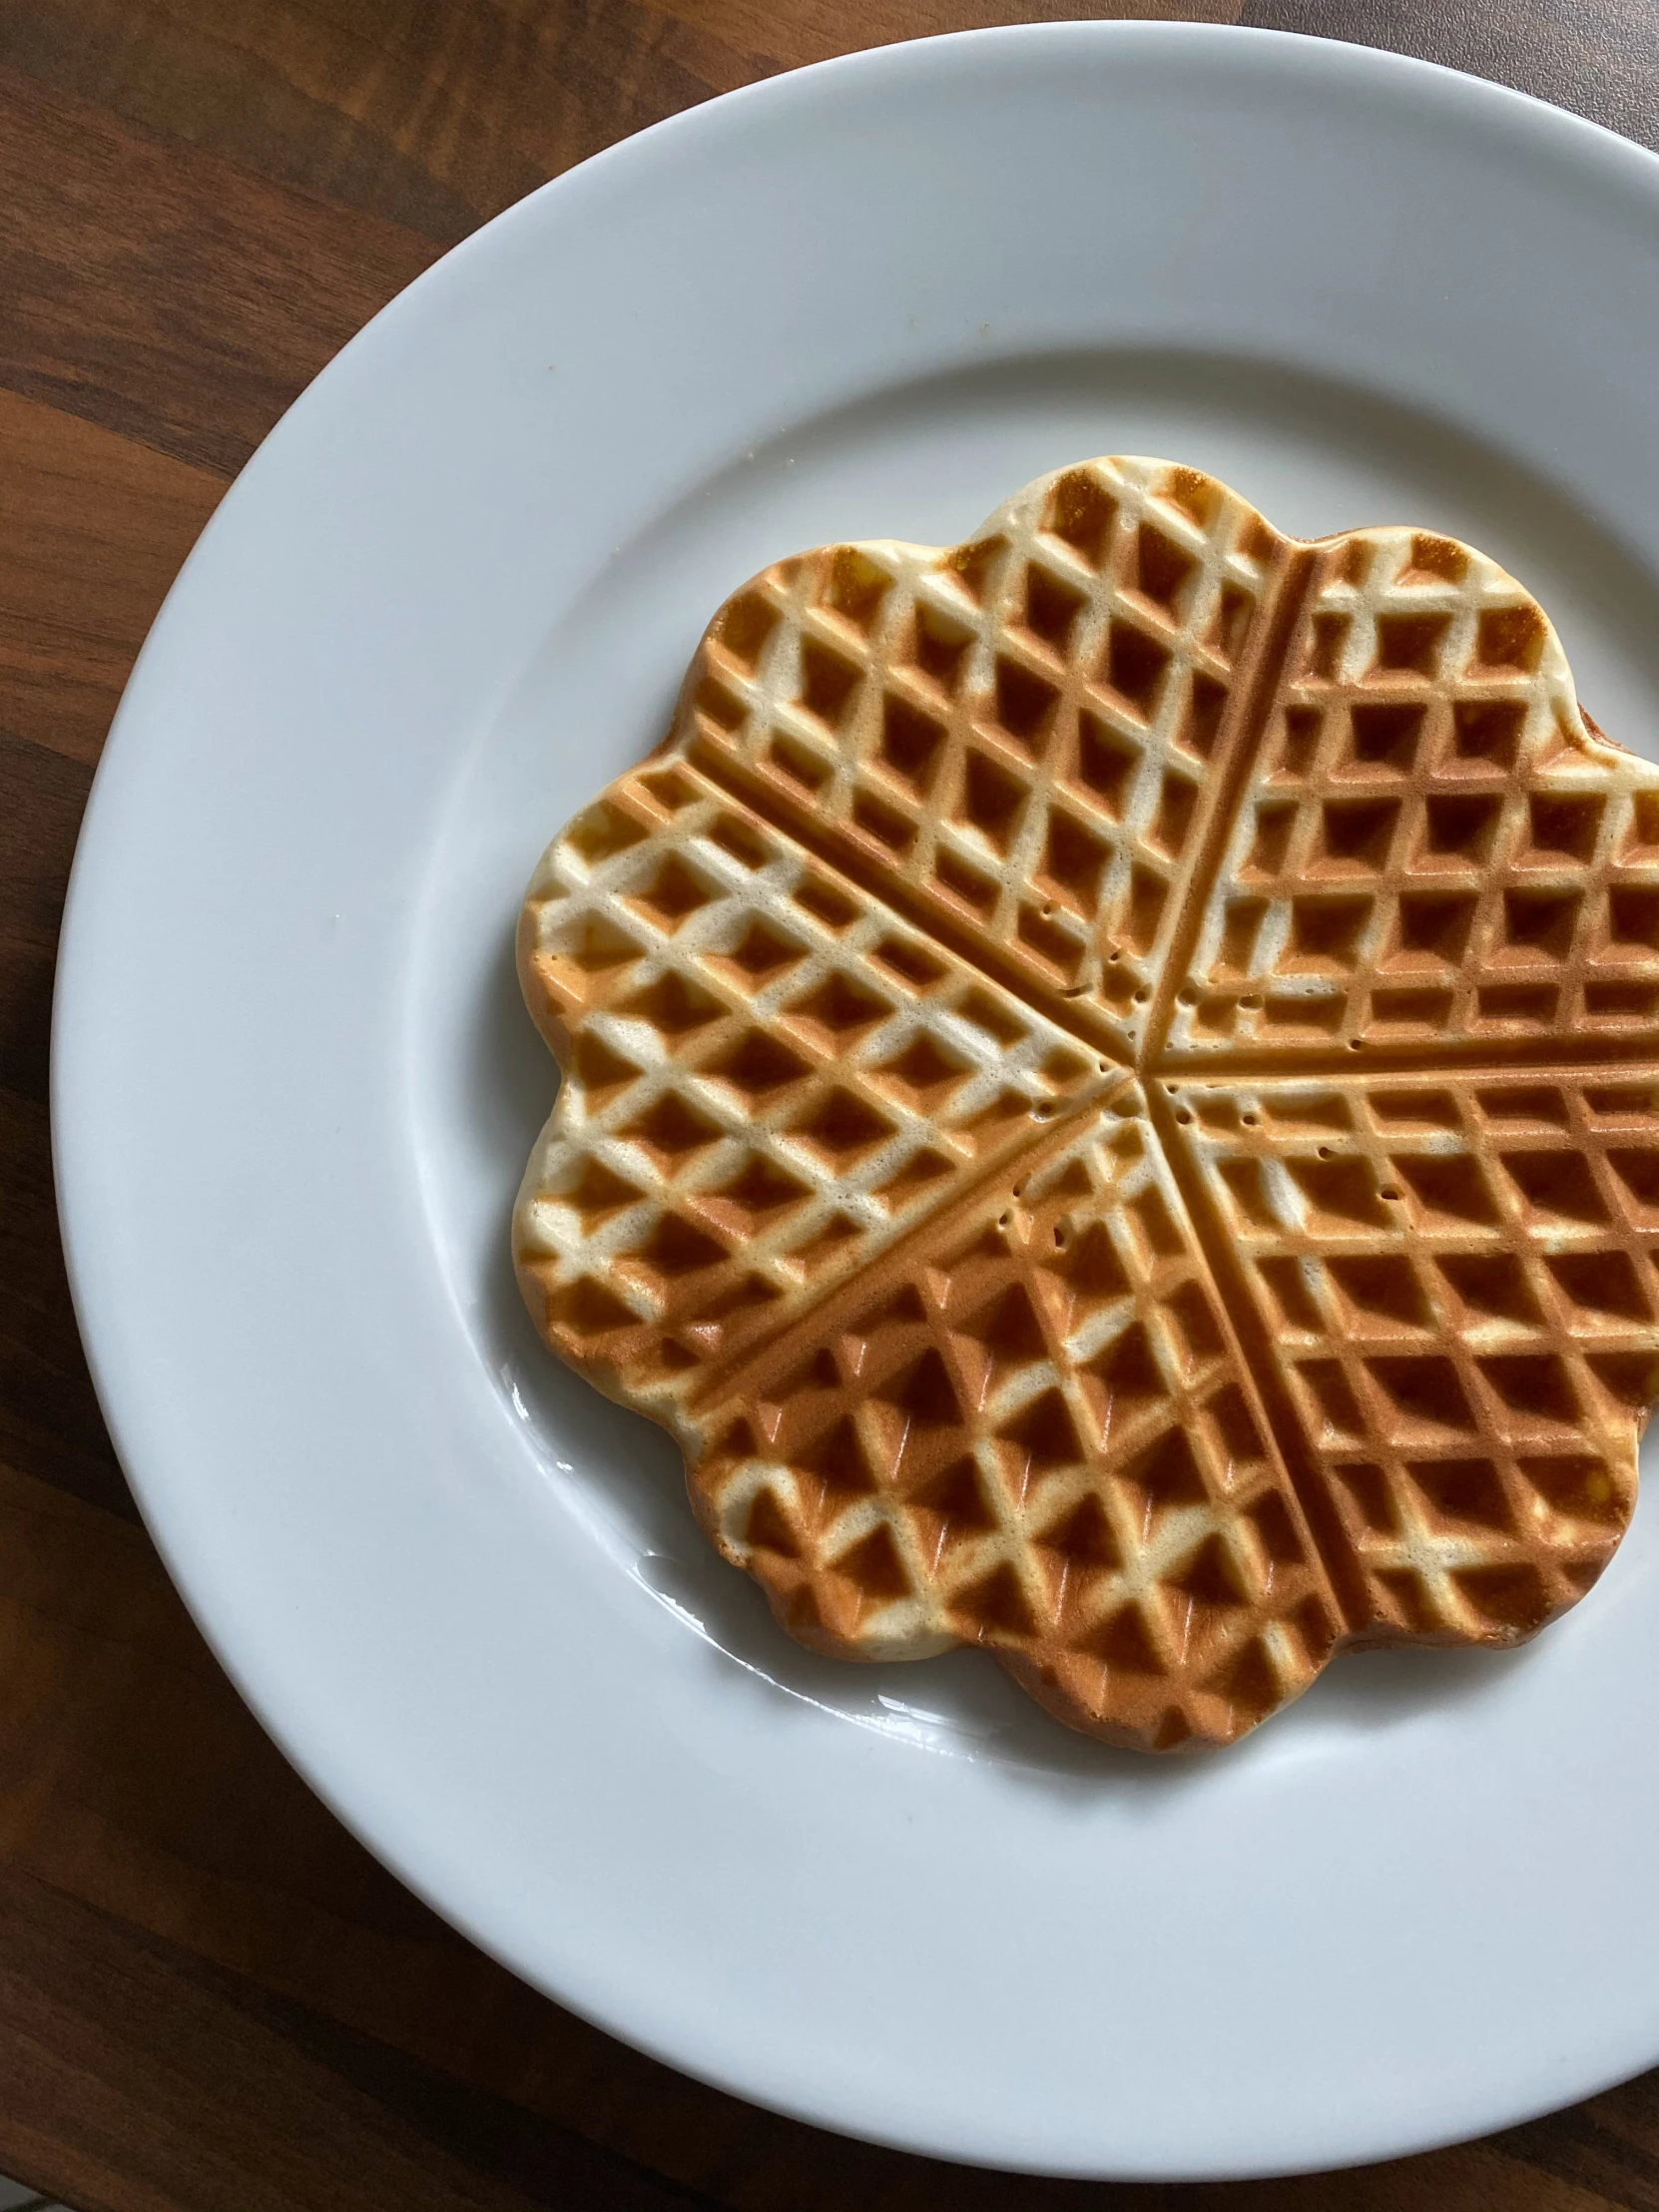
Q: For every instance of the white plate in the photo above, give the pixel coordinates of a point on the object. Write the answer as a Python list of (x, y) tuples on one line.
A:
[(295, 1087)]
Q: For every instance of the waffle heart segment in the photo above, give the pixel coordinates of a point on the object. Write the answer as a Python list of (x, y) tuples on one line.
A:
[(1037, 1432), (1431, 843), (771, 1078), (1018, 741), (1450, 1281), (1111, 1100)]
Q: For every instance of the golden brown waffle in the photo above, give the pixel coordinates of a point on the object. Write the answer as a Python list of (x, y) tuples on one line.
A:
[(1448, 1280), (1430, 846), (1112, 1100)]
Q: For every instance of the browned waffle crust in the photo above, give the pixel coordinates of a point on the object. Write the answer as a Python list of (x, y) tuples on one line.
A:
[(1111, 1100)]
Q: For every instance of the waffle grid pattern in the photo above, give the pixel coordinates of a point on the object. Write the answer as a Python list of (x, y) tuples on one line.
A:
[(1430, 846), (1456, 1276), (991, 1380), (772, 1081), (1076, 1289), (1016, 736)]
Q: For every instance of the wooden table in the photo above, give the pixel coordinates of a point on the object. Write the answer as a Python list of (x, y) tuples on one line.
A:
[(210, 1999)]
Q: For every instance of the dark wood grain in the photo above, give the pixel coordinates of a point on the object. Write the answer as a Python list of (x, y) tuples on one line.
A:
[(92, 528), (148, 2062), (210, 1999), (172, 297), (140, 1789), (1599, 57), (439, 116)]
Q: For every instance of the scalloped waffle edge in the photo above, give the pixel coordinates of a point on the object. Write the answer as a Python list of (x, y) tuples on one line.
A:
[(1111, 1100)]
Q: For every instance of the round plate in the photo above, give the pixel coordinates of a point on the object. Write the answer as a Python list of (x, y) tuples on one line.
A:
[(294, 1089)]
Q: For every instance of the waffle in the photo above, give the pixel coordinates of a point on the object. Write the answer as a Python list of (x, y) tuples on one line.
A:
[(1111, 1100)]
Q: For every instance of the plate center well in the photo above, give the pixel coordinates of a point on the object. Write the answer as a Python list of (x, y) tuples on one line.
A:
[(926, 461)]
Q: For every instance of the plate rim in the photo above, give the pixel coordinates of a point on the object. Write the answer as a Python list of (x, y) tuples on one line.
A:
[(659, 141)]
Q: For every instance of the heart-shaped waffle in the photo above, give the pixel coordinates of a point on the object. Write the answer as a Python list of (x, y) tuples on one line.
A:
[(1111, 1100)]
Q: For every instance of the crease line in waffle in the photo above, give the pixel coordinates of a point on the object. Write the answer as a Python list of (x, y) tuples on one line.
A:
[(1222, 1260), (723, 1380), (1473, 1057), (1288, 588), (860, 869)]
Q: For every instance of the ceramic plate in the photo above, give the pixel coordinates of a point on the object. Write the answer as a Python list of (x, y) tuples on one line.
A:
[(294, 1089)]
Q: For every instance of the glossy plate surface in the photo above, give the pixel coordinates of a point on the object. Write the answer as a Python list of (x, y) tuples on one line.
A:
[(295, 1087)]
